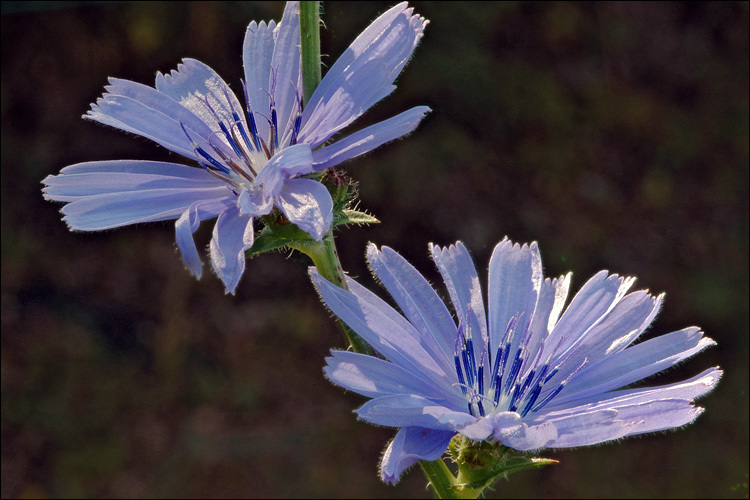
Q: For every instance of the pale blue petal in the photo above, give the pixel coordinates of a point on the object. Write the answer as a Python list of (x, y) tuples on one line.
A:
[(547, 310), (373, 377), (349, 98), (232, 236), (255, 204), (188, 224), (293, 161), (106, 211), (104, 177), (447, 380), (479, 430), (612, 333), (368, 138), (132, 116), (515, 277), (601, 425), (375, 325), (411, 445), (390, 39), (659, 415), (408, 410), (158, 101), (511, 431), (290, 162), (418, 301), (286, 77), (257, 52), (690, 389), (634, 364), (308, 204), (272, 181), (588, 428), (588, 307), (460, 276), (201, 90)]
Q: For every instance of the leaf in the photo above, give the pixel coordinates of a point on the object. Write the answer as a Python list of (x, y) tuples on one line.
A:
[(506, 466), (265, 241), (350, 216)]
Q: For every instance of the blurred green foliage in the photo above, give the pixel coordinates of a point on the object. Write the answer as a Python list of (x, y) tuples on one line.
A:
[(614, 134)]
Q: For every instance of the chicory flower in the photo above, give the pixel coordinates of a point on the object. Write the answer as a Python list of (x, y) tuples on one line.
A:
[(525, 372), (250, 161)]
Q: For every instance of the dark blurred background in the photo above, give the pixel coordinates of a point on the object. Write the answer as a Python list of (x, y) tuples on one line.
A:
[(614, 134)]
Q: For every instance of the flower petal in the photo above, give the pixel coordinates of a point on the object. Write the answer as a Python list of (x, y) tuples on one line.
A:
[(201, 90), (390, 39), (611, 334), (373, 377), (549, 305), (690, 389), (105, 177), (460, 276), (232, 235), (515, 277), (634, 364), (188, 224), (587, 428), (308, 204), (256, 204), (147, 112), (411, 445), (105, 195), (286, 76), (511, 431), (290, 162), (132, 116), (597, 297), (257, 51), (374, 322), (407, 410), (601, 425), (417, 300), (368, 138), (350, 96)]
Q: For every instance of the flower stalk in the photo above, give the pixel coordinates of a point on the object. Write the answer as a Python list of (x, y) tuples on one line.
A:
[(310, 33)]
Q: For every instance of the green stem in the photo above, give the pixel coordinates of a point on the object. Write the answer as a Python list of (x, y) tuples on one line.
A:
[(440, 477), (309, 18)]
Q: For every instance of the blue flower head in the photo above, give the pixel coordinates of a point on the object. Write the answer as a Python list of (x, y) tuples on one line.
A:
[(525, 372), (252, 159)]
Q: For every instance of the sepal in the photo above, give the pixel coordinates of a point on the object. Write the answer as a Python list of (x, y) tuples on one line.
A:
[(480, 464)]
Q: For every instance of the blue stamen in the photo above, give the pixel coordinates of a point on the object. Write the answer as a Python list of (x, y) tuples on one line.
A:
[(532, 398), (527, 382), (459, 371), (251, 119), (495, 376), (480, 375), (297, 121), (470, 348), (469, 374), (275, 130), (498, 381), (230, 140), (211, 160), (241, 128), (549, 398), (515, 367)]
